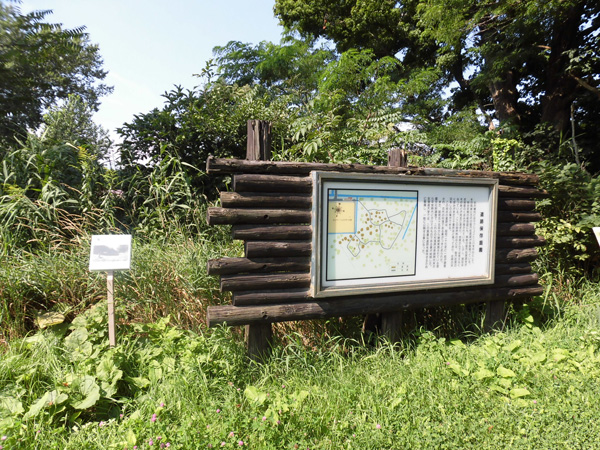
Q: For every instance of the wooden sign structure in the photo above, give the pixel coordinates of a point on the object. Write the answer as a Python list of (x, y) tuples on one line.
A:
[(270, 209)]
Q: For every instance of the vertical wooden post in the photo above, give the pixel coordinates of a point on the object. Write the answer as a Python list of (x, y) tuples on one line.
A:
[(258, 147), (259, 336), (494, 315), (112, 340), (391, 322)]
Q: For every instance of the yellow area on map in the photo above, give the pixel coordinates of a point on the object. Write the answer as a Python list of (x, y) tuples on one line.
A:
[(341, 217)]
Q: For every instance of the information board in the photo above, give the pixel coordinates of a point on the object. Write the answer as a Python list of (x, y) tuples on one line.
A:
[(110, 252), (382, 234)]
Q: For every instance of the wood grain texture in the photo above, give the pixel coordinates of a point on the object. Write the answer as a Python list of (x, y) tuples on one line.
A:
[(234, 166), (228, 266), (229, 216), (242, 315), (271, 232)]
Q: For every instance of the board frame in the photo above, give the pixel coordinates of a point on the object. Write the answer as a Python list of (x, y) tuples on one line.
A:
[(318, 287)]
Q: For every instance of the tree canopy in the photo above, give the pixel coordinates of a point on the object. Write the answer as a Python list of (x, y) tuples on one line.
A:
[(521, 63), (41, 64)]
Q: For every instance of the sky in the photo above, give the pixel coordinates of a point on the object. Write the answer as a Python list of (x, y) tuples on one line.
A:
[(150, 46)]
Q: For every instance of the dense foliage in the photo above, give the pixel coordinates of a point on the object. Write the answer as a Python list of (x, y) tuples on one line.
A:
[(521, 63), (40, 64)]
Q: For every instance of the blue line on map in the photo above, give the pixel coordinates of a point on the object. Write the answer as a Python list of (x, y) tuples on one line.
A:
[(355, 216), (344, 196), (409, 221)]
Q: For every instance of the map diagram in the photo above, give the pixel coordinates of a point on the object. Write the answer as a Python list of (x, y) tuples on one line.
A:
[(371, 233)]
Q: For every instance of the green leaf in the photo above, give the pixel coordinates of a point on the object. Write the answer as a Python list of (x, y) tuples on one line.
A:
[(12, 405), (49, 318), (90, 391), (138, 382), (254, 395), (48, 399), (483, 374), (519, 392), (457, 343), (513, 346), (131, 438), (505, 373)]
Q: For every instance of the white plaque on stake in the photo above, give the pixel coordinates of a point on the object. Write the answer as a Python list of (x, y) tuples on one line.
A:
[(110, 252)]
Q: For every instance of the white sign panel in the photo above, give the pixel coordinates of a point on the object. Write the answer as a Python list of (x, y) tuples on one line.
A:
[(384, 234), (597, 233), (110, 252)]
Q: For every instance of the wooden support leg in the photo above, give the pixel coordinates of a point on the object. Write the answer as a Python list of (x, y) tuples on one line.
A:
[(259, 337), (494, 315), (391, 325)]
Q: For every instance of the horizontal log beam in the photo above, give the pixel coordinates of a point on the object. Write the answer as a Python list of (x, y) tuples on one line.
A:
[(519, 242), (227, 216), (278, 296), (234, 283), (265, 200), (272, 232), (521, 192), (352, 306), (507, 255), (516, 204), (263, 249), (518, 216), (228, 266), (515, 229), (272, 183), (269, 297), (233, 166), (512, 269)]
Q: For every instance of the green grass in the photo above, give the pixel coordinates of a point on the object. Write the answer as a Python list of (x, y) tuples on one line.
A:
[(534, 385)]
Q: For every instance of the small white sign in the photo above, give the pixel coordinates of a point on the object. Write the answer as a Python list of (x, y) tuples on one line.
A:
[(597, 233), (110, 252)]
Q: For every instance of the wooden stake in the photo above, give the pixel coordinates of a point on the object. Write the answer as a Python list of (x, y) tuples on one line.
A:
[(391, 322), (111, 308), (260, 335)]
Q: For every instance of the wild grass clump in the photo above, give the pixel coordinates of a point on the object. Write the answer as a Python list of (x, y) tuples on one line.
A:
[(167, 277), (531, 386)]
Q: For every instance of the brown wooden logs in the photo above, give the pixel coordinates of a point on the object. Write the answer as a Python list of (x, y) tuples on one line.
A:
[(515, 268), (226, 216), (516, 255), (263, 249), (235, 283), (515, 229), (269, 297), (265, 200), (227, 266), (351, 306), (519, 242), (290, 293), (233, 166), (272, 183), (516, 204), (518, 216), (272, 232), (520, 191)]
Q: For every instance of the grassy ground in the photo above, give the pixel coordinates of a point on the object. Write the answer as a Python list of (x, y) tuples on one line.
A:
[(535, 384)]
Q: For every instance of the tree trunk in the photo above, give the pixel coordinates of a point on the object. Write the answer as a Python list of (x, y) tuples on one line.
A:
[(505, 96), (560, 86)]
